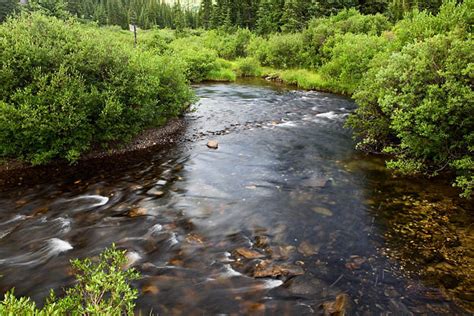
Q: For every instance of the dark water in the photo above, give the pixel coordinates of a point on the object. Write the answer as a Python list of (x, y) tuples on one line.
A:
[(285, 182)]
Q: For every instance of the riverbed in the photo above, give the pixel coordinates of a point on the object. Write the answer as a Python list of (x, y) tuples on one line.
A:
[(284, 218)]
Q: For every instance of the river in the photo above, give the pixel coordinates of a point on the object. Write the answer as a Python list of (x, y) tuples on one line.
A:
[(281, 219)]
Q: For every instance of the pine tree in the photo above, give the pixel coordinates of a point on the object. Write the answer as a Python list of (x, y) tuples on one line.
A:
[(290, 20), (205, 13), (267, 20), (6, 8)]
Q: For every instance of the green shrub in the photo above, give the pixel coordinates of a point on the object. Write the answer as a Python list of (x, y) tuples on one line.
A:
[(279, 50), (349, 57), (321, 30), (66, 87), (155, 41), (418, 26), (228, 45), (247, 67), (102, 288), (418, 105), (200, 61)]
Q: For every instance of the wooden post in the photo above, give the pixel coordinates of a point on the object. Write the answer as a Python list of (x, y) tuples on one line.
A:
[(135, 35), (133, 28)]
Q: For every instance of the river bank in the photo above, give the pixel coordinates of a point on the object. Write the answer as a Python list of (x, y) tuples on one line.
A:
[(17, 173)]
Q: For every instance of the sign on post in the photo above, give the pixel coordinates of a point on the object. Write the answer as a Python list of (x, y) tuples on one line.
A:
[(133, 28)]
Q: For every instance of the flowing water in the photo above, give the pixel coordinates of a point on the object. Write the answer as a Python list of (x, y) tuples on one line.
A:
[(282, 218)]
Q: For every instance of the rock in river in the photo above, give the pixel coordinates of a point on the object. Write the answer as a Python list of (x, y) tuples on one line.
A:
[(249, 254), (307, 249), (322, 211), (268, 269), (213, 144), (337, 307)]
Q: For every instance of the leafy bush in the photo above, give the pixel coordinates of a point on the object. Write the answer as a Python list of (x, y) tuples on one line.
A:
[(247, 67), (349, 58), (279, 50), (228, 45), (418, 26), (200, 61), (102, 288), (66, 87), (320, 30), (418, 104), (155, 41)]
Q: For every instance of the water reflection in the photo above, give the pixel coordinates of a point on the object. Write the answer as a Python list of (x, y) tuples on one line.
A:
[(277, 221)]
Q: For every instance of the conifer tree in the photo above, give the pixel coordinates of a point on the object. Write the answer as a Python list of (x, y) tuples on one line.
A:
[(6, 8), (205, 13)]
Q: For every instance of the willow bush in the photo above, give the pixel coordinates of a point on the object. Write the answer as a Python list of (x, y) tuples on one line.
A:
[(67, 87), (418, 105)]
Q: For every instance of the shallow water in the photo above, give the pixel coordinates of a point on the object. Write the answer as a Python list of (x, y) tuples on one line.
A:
[(285, 182)]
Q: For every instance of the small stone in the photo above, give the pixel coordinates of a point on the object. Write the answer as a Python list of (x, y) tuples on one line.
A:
[(262, 241), (355, 263), (194, 239), (138, 211), (150, 289), (322, 211), (337, 307), (268, 269), (249, 254), (307, 249), (213, 144), (155, 192)]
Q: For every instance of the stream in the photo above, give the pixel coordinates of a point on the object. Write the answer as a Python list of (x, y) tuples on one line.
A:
[(284, 218)]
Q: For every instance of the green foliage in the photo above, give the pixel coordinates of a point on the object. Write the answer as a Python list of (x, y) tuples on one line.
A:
[(102, 288), (304, 79), (322, 30), (199, 61), (279, 50), (228, 45), (422, 98), (56, 8), (7, 7), (248, 67), (418, 26), (66, 87), (349, 56)]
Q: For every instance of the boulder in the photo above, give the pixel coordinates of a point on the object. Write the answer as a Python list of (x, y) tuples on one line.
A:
[(213, 144)]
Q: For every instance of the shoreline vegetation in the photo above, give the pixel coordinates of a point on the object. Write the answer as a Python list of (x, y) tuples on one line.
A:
[(83, 85)]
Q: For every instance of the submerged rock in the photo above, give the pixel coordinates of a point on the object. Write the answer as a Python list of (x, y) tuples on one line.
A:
[(316, 181), (249, 254), (137, 211), (322, 211), (337, 307), (307, 249), (268, 269), (355, 262), (155, 192)]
